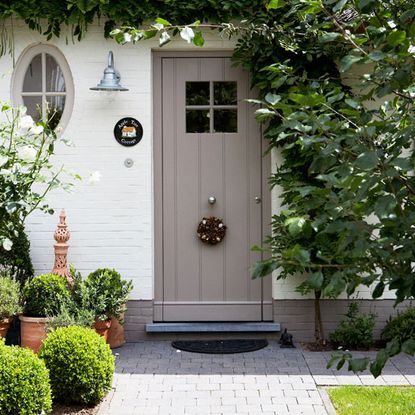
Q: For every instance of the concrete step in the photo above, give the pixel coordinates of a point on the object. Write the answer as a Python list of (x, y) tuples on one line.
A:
[(212, 327)]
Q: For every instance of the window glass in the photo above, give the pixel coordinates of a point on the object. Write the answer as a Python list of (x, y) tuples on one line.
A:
[(34, 106), (225, 121), (197, 121), (197, 93), (224, 93), (55, 81), (42, 82), (33, 78), (54, 109)]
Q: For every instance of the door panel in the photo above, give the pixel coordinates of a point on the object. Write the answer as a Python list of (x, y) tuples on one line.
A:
[(206, 152)]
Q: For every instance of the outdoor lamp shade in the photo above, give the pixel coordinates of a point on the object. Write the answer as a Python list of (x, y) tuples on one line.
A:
[(111, 79)]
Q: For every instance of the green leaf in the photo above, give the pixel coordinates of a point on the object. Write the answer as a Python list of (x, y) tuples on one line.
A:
[(397, 37), (367, 160), (263, 268), (358, 364), (376, 55), (408, 347), (295, 225), (384, 206), (7, 244), (276, 4), (315, 280), (187, 34), (162, 21), (199, 40), (378, 291), (272, 98), (148, 34), (329, 37), (164, 38), (340, 4), (348, 61)]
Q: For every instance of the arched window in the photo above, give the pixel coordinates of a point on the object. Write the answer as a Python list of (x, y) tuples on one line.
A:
[(42, 82)]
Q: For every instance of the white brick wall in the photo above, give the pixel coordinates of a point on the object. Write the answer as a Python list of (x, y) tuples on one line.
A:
[(111, 222)]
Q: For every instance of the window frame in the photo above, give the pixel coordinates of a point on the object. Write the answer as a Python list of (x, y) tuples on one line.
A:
[(19, 73)]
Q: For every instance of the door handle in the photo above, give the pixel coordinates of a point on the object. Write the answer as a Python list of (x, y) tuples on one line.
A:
[(257, 200), (212, 200)]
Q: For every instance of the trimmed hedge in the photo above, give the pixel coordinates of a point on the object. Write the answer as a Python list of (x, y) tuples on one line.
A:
[(24, 382), (45, 294), (80, 363), (402, 327)]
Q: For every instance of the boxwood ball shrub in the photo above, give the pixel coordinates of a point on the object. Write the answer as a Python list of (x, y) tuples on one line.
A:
[(45, 294), (24, 382), (402, 327), (80, 364)]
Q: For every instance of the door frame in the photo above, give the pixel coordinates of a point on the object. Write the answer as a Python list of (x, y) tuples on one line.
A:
[(157, 59)]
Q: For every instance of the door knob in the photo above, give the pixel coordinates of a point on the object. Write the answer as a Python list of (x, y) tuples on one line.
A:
[(257, 199), (212, 200)]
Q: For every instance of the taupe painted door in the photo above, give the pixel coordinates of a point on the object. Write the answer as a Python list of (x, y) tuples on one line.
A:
[(211, 148)]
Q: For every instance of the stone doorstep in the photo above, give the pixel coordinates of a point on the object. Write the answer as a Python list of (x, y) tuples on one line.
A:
[(212, 327)]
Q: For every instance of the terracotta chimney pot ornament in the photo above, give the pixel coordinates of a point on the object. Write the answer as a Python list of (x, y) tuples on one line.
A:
[(62, 236)]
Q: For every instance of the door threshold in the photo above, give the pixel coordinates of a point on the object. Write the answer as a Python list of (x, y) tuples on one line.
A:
[(261, 327)]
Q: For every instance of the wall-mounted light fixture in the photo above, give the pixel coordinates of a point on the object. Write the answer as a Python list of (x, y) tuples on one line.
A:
[(111, 79)]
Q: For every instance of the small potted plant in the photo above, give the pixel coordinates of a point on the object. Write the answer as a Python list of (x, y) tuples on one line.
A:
[(108, 295), (43, 297), (9, 302)]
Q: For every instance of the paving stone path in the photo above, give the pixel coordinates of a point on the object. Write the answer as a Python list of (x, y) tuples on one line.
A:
[(153, 378)]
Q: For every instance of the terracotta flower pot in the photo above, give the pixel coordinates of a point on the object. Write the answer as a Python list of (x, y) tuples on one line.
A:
[(116, 333), (32, 332), (4, 326), (102, 328)]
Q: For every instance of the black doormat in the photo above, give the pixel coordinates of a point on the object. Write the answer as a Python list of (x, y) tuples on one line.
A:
[(220, 346)]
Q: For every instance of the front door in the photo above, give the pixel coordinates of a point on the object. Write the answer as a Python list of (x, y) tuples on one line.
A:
[(211, 166)]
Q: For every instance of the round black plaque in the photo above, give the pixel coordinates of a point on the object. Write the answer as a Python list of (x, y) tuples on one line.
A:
[(128, 131)]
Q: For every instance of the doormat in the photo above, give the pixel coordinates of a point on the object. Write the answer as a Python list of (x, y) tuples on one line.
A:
[(220, 346)]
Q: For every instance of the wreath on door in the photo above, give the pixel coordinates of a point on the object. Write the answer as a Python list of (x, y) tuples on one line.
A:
[(211, 230)]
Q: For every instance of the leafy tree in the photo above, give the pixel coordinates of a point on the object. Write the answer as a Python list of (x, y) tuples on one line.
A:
[(346, 179)]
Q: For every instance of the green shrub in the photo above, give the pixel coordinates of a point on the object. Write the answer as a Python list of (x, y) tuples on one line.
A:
[(107, 293), (80, 363), (356, 331), (67, 316), (17, 261), (45, 294), (402, 327), (9, 297), (24, 382)]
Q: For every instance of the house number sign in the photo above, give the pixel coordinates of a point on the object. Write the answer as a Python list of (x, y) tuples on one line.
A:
[(128, 132)]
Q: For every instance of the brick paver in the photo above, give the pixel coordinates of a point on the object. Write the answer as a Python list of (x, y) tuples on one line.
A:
[(154, 378)]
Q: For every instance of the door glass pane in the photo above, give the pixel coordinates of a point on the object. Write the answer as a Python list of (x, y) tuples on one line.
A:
[(225, 121), (224, 93), (34, 107), (54, 110), (197, 121), (197, 93), (33, 78), (55, 82)]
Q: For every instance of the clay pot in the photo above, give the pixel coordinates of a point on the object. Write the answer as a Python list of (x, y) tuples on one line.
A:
[(102, 328), (4, 326), (116, 333), (32, 332)]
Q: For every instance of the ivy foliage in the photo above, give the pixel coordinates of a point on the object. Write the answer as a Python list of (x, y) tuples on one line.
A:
[(49, 17)]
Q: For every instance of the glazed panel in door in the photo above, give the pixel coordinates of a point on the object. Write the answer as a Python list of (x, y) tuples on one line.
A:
[(211, 148)]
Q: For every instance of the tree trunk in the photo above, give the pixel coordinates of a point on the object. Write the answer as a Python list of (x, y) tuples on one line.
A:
[(318, 323)]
